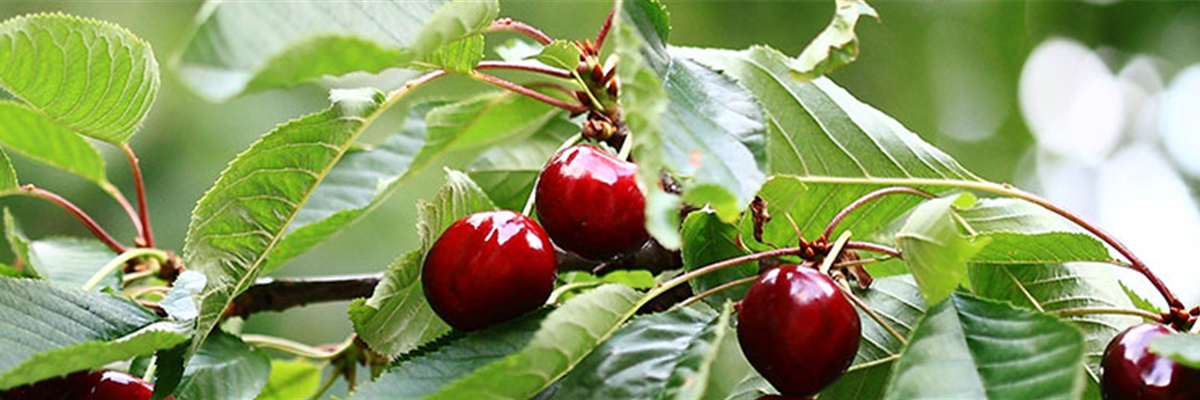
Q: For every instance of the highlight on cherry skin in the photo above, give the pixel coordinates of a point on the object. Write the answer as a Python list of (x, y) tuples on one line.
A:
[(1130, 371), (487, 268), (84, 385), (591, 204), (797, 329)]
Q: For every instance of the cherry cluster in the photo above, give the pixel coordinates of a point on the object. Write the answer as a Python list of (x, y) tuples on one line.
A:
[(85, 385)]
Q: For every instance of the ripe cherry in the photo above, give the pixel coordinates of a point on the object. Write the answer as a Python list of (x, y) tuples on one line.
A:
[(99, 385), (1130, 371), (797, 329), (591, 204), (489, 267)]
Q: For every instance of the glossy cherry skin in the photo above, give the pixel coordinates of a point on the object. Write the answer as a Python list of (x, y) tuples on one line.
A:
[(99, 385), (591, 204), (1130, 371), (797, 329), (487, 268)]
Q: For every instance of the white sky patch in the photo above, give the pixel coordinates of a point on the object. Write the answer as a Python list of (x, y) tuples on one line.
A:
[(1181, 120), (1071, 101)]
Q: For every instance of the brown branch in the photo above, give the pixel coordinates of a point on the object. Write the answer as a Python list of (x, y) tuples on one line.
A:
[(125, 205), (509, 25), (541, 69), (75, 211), (867, 198), (146, 234), (492, 80), (279, 294)]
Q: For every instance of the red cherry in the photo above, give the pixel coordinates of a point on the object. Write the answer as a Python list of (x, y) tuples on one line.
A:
[(1130, 371), (798, 330), (487, 268), (591, 204), (99, 385)]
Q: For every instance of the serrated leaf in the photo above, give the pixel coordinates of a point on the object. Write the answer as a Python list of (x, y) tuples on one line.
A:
[(291, 380), (237, 224), (560, 54), (1183, 348), (1139, 301), (507, 172), (224, 368), (967, 347), (696, 367), (565, 337), (358, 183), (458, 198), (91, 77), (243, 47), (48, 331), (836, 45), (8, 176), (1040, 248), (457, 56), (34, 135), (934, 249), (425, 370), (707, 240), (637, 360), (397, 319)]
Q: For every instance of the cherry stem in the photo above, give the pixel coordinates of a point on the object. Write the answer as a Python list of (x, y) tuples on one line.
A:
[(714, 267), (1108, 310), (139, 184), (415, 82), (510, 25), (541, 69), (862, 305), (878, 248), (710, 292), (290, 346), (116, 264), (99, 232), (279, 294), (489, 79), (868, 198), (603, 34), (125, 205)]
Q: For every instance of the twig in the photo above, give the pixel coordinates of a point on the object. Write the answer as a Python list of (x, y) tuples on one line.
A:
[(492, 80), (509, 25), (862, 305), (146, 234), (541, 69), (278, 294), (867, 198), (878, 248), (99, 232)]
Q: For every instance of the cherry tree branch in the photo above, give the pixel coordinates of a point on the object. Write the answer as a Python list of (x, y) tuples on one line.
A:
[(75, 211), (146, 234), (279, 294), (510, 25)]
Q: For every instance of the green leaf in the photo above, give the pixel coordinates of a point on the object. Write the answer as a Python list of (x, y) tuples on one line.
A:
[(1048, 287), (507, 172), (637, 360), (837, 45), (935, 251), (48, 331), (180, 302), (751, 387), (1139, 301), (457, 56), (707, 240), (425, 370), (16, 238), (34, 135), (291, 380), (560, 54), (237, 224), (8, 176), (458, 198), (1183, 348), (698, 369), (224, 368), (397, 319), (90, 77), (1022, 233), (635, 279), (243, 47), (483, 120), (976, 348), (72, 261), (358, 183), (566, 336)]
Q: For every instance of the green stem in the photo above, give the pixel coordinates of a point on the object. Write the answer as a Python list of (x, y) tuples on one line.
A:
[(289, 346), (714, 267), (1108, 310), (117, 263), (557, 293), (151, 369), (1011, 191), (710, 292), (325, 386)]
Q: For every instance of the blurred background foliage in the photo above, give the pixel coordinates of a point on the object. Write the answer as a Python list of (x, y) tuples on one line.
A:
[(1095, 104)]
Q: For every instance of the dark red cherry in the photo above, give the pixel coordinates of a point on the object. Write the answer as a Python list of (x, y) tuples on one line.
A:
[(1130, 371), (487, 268), (797, 329), (99, 385), (591, 204)]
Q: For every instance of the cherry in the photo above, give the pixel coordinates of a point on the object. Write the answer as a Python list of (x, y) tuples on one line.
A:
[(1130, 371), (591, 203), (99, 385), (487, 268), (797, 329)]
